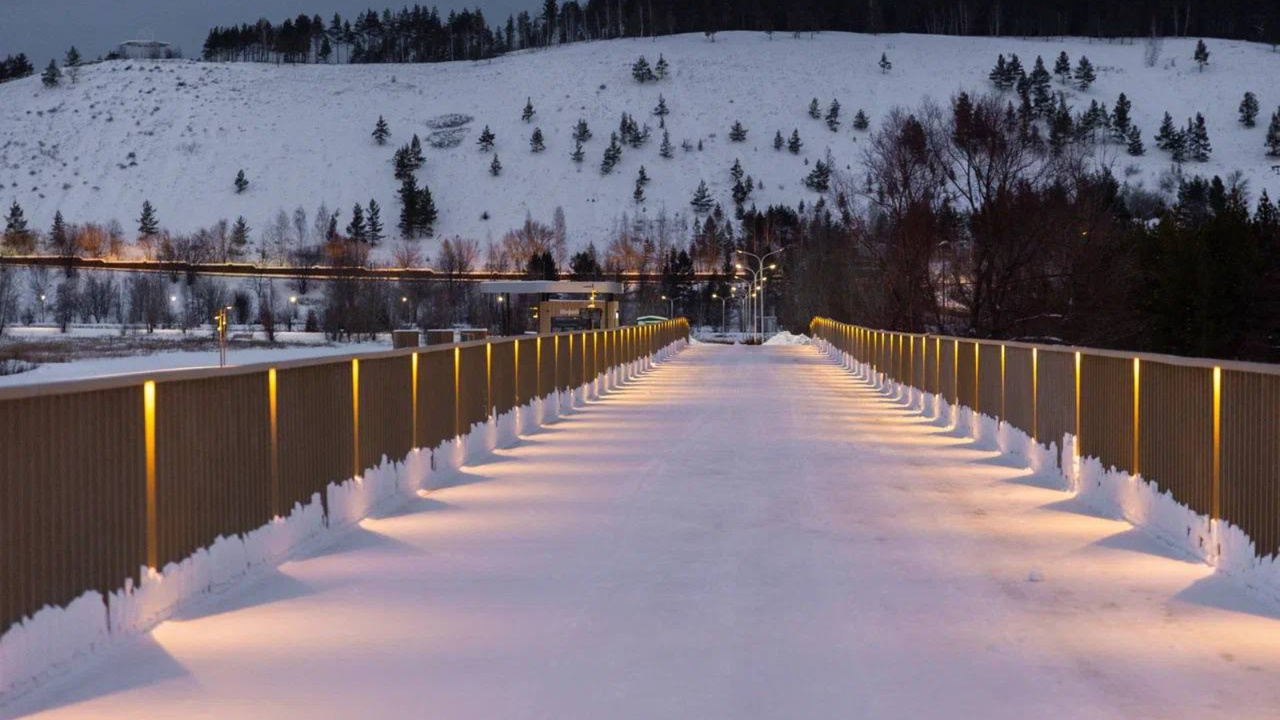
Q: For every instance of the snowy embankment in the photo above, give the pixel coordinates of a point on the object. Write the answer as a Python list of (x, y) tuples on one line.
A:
[(1112, 492), (159, 351), (177, 132), (55, 637)]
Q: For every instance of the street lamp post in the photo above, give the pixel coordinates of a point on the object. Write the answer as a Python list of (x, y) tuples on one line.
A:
[(723, 327), (758, 276), (671, 307)]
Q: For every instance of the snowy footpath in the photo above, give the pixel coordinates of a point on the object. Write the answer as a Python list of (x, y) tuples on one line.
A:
[(746, 532)]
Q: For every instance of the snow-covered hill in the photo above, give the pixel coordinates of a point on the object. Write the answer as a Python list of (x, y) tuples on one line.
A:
[(176, 132)]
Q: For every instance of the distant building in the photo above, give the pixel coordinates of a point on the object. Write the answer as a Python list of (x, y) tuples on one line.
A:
[(147, 50)]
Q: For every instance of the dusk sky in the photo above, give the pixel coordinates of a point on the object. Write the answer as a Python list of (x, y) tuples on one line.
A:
[(44, 29)]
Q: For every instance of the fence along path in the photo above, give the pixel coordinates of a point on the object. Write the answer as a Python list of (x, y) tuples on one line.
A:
[(1206, 431), (102, 479), (685, 549)]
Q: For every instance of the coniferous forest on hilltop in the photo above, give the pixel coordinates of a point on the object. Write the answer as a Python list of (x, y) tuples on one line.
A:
[(421, 34)]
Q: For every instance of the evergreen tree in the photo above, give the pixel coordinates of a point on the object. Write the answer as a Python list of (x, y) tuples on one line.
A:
[(52, 75), (736, 171), (1201, 55), (641, 71), (17, 237), (381, 132), (1016, 71), (1198, 147), (402, 162), (742, 190), (1273, 135), (661, 110), (1134, 141), (242, 183), (815, 111), (665, 150), (1177, 145), (409, 194), (375, 222), (72, 58), (661, 68), (1120, 120), (1040, 85), (777, 140), (148, 225), (426, 212), (885, 65), (819, 179), (535, 141), (1167, 134), (833, 116), (577, 155), (416, 158), (794, 143), (1062, 68), (638, 194), (528, 113), (737, 133), (59, 239), (486, 140), (861, 121), (326, 50), (702, 202), (495, 167), (239, 241), (612, 155), (642, 177), (357, 231), (1085, 74), (999, 75), (581, 132), (1061, 127), (1249, 110)]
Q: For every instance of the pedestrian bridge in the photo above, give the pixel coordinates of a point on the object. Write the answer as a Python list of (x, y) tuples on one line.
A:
[(703, 532)]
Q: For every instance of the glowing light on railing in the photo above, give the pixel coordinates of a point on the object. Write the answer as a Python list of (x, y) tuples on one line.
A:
[(149, 441)]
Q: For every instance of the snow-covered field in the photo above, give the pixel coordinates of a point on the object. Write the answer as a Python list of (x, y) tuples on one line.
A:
[(808, 549), (177, 132), (160, 351)]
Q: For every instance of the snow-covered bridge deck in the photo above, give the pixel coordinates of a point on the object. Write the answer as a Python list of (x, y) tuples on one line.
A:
[(743, 533)]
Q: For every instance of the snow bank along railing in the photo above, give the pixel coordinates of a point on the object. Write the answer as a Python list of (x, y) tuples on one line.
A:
[(1189, 448), (105, 483)]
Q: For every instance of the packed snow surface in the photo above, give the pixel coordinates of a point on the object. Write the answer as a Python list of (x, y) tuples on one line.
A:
[(683, 549), (787, 338), (177, 132)]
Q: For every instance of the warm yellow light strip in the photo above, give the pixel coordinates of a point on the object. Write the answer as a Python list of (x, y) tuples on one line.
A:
[(1002, 408), (977, 389), (457, 365), (149, 435), (1215, 500), (1078, 430), (1035, 394), (355, 414), (275, 440), (413, 365), (1137, 377)]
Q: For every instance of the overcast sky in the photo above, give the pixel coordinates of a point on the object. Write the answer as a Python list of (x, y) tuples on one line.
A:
[(44, 29)]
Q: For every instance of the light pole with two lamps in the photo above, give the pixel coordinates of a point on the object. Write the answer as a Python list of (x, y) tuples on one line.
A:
[(757, 284)]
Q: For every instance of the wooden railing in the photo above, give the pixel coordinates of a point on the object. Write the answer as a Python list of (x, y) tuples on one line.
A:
[(1208, 431), (100, 479)]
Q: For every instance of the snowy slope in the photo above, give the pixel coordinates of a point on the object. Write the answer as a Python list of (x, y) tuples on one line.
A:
[(302, 133)]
